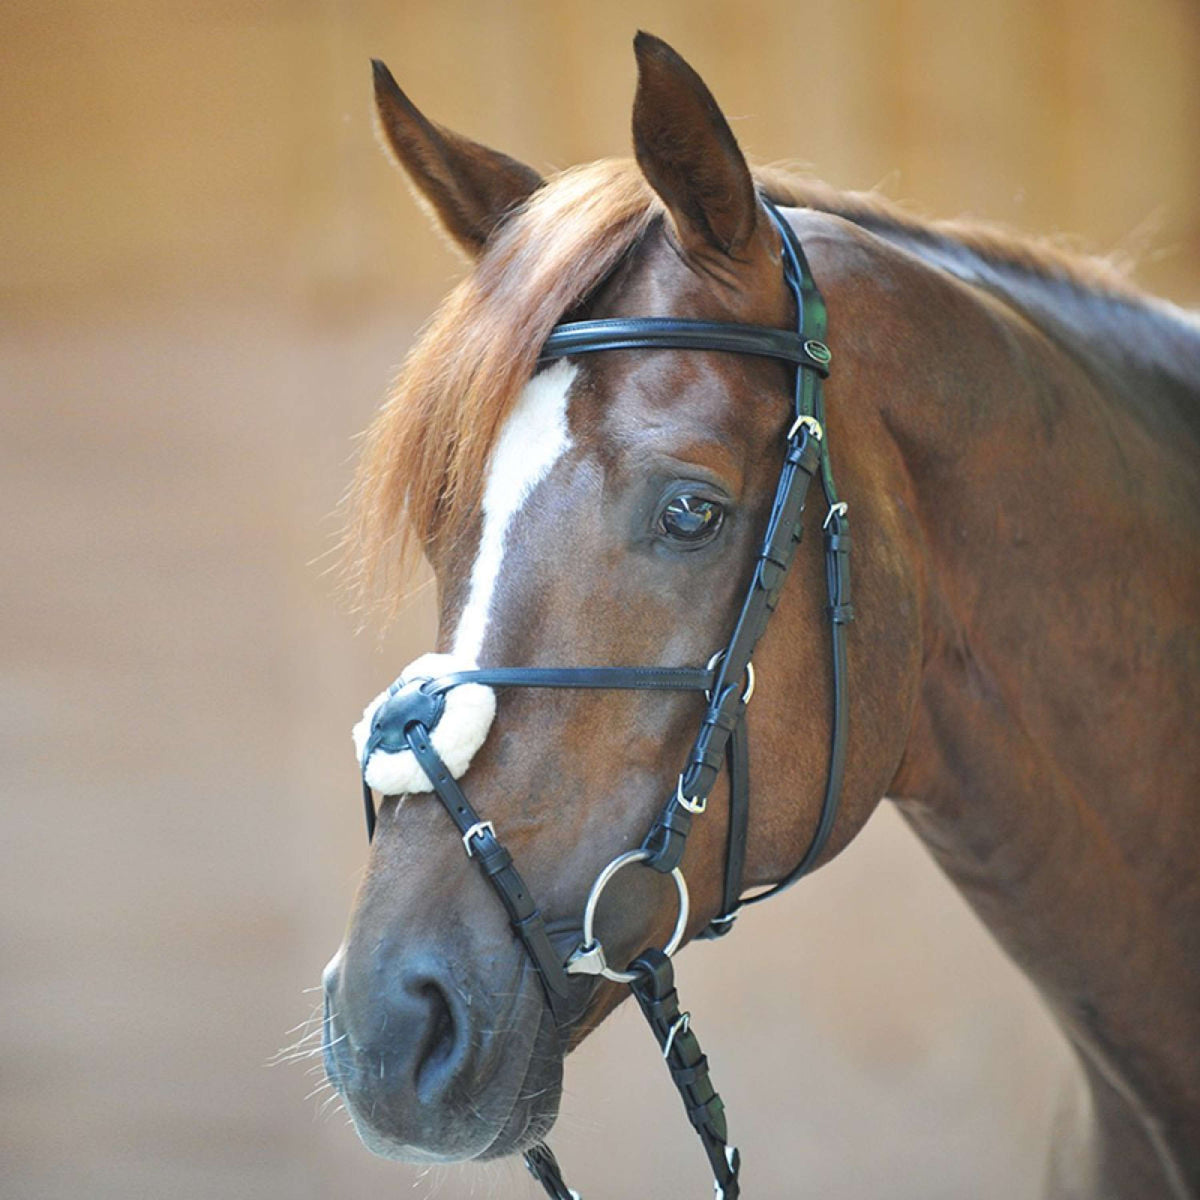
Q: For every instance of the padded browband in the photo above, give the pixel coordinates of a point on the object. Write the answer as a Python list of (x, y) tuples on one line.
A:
[(672, 333)]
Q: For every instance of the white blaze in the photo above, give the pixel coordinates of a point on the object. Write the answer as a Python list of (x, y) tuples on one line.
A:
[(533, 439)]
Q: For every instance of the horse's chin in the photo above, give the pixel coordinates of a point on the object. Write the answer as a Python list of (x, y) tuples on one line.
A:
[(504, 1114)]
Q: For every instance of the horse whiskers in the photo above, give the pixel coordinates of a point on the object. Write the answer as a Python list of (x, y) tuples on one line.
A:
[(308, 1033), (537, 1093), (314, 1053), (313, 1018), (300, 1046), (281, 1060), (308, 1037), (293, 1054), (313, 1027), (435, 1178)]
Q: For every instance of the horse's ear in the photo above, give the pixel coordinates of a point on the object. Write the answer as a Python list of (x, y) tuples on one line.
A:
[(469, 188), (688, 153)]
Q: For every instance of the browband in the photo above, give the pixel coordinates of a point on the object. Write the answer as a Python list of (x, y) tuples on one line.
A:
[(675, 333)]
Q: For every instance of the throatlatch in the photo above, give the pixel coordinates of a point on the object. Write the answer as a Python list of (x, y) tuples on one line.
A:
[(404, 720)]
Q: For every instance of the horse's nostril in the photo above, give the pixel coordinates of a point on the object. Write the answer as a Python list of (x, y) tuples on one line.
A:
[(437, 1059)]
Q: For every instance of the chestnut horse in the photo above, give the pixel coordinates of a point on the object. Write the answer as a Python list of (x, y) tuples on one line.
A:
[(1016, 432)]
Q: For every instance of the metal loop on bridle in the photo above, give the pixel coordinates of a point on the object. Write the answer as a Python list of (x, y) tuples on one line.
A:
[(682, 1025), (840, 509), (814, 427), (716, 658), (588, 958), (694, 804)]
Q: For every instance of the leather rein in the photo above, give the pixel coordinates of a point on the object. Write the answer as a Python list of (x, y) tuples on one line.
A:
[(404, 721)]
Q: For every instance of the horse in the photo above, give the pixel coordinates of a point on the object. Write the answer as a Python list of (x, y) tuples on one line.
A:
[(1015, 433)]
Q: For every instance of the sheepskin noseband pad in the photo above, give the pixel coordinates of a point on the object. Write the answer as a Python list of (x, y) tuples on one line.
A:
[(458, 722)]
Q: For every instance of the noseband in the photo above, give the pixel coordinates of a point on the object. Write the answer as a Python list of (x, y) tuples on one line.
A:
[(404, 721)]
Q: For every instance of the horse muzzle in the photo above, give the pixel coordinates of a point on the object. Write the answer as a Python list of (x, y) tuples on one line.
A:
[(434, 1065)]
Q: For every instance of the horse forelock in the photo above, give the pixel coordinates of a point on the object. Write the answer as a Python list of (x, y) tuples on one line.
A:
[(425, 457)]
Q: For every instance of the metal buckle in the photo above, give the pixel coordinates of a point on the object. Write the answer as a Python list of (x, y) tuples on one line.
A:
[(840, 509), (476, 829), (588, 957), (694, 804), (811, 424), (681, 1024), (716, 658)]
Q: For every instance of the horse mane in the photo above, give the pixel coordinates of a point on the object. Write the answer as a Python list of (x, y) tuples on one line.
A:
[(424, 458), (1046, 257)]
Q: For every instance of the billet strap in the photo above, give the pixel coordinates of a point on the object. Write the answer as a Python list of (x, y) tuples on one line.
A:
[(369, 808), (654, 989), (841, 613), (738, 759), (809, 399), (807, 455), (543, 1166), (482, 845), (802, 461)]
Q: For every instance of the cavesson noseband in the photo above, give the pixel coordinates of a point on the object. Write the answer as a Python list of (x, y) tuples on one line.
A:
[(404, 721)]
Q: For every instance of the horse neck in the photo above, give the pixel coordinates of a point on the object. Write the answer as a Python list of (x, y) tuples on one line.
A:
[(1058, 510), (1126, 334)]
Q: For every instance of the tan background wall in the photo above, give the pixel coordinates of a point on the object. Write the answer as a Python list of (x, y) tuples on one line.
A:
[(206, 273), (228, 142)]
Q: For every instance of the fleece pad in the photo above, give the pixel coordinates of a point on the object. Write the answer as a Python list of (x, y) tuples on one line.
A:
[(470, 710)]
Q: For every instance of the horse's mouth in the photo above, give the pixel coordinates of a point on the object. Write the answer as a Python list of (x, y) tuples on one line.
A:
[(508, 1104), (535, 1105)]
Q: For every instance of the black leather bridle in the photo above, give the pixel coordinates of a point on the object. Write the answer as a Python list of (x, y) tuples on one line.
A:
[(406, 718)]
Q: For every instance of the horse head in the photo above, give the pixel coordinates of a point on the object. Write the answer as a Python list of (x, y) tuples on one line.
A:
[(599, 509)]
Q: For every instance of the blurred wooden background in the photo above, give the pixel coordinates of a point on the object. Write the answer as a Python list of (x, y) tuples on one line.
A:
[(207, 272), (227, 142)]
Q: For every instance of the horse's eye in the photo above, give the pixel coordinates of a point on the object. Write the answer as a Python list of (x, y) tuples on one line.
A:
[(691, 519)]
